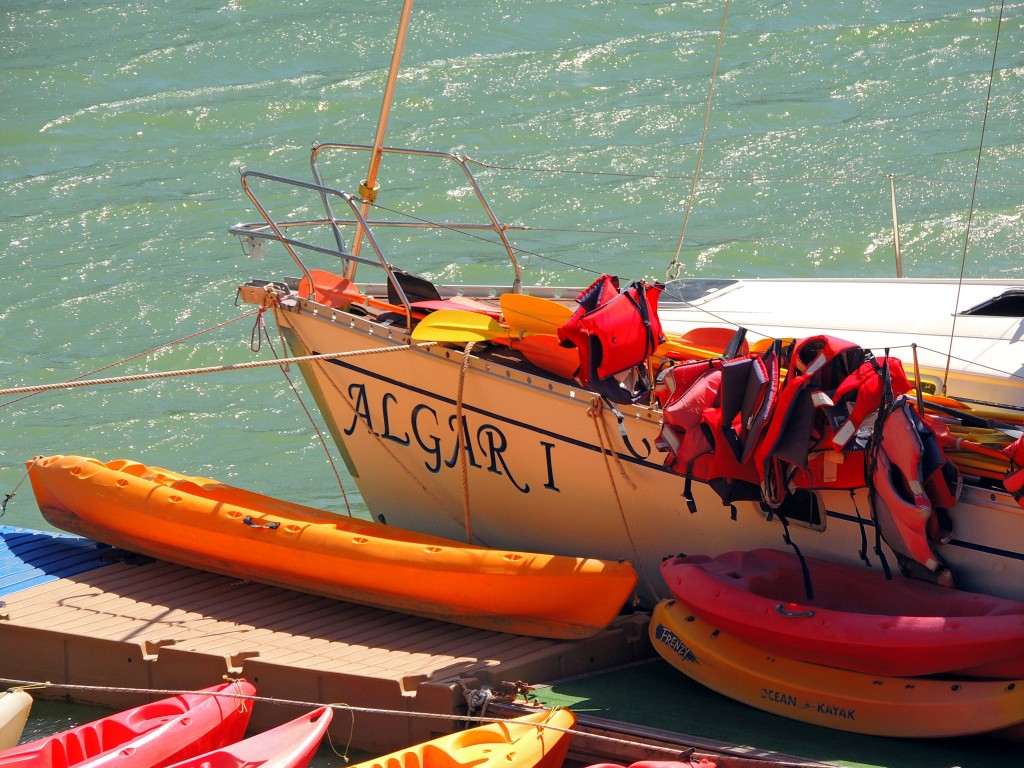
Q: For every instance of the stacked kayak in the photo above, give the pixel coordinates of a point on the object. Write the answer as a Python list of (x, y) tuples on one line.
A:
[(854, 617), (844, 647), (152, 735), (291, 745), (834, 698), (204, 524)]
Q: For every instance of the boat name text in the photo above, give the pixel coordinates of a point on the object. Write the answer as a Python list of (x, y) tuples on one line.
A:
[(438, 439)]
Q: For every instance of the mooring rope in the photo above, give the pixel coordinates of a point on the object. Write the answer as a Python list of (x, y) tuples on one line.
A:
[(457, 718), (211, 369), (596, 412), (464, 442), (147, 352), (974, 195), (675, 268), (381, 442)]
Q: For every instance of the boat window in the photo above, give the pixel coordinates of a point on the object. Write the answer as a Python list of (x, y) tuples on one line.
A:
[(802, 508), (1009, 303)]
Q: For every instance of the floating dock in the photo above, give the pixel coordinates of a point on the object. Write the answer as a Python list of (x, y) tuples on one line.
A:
[(110, 628), (78, 613)]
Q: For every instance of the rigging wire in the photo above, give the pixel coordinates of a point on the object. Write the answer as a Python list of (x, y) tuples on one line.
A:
[(674, 267), (974, 194)]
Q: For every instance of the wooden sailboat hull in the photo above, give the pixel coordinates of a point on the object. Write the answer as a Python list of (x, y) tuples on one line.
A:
[(152, 735), (857, 619), (207, 525), (551, 469), (833, 698)]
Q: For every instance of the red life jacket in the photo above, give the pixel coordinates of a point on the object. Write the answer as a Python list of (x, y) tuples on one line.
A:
[(911, 483), (839, 421), (616, 333), (1014, 479), (831, 389), (714, 412)]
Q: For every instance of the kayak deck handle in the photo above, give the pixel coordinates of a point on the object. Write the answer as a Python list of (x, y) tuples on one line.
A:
[(783, 611), (272, 526)]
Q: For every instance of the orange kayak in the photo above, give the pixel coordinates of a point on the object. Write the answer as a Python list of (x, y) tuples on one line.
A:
[(909, 708), (204, 524)]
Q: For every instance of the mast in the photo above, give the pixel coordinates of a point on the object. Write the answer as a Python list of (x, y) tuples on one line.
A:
[(369, 186)]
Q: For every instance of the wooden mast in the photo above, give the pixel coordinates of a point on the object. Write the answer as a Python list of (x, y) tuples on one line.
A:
[(369, 186)]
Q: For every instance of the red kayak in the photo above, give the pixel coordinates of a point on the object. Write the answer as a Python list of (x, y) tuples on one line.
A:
[(857, 620), (291, 745), (153, 735)]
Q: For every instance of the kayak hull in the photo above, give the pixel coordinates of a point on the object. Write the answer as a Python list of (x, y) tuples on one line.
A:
[(290, 745), (834, 698), (15, 706), (152, 735), (204, 524), (857, 619), (537, 740)]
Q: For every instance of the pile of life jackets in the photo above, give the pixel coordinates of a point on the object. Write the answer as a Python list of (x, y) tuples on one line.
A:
[(819, 414)]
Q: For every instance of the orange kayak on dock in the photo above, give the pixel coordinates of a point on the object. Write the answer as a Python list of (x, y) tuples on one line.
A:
[(210, 526)]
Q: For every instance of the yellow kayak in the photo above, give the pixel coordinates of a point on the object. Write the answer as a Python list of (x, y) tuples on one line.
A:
[(834, 698), (204, 524), (537, 740), (15, 705)]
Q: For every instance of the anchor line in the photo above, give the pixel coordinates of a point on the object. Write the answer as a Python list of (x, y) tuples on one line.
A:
[(260, 332), (674, 267)]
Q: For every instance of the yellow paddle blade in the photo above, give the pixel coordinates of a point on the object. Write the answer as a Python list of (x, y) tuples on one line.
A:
[(679, 351), (459, 326), (533, 314)]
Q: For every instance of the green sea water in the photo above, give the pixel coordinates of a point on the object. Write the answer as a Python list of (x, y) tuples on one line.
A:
[(123, 127)]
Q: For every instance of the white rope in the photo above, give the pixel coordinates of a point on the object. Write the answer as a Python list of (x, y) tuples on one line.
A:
[(211, 369)]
